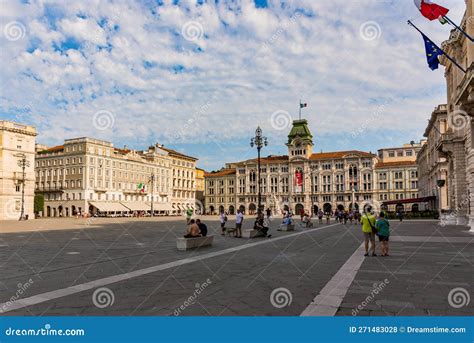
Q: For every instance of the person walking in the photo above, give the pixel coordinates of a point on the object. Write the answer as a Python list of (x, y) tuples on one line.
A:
[(239, 218), (320, 216), (223, 220), (189, 215), (368, 229), (383, 231)]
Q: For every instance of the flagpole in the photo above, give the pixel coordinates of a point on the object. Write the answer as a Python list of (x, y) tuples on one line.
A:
[(300, 111), (458, 28), (444, 53)]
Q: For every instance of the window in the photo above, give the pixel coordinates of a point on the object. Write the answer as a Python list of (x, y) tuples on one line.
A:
[(409, 153), (17, 188), (391, 154)]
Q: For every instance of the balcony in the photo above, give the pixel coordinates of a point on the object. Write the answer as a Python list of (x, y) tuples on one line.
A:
[(49, 190)]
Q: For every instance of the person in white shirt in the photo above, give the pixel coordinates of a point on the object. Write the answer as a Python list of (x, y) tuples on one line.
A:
[(239, 218), (222, 219)]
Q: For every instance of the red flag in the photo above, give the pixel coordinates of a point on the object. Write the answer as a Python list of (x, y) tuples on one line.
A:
[(430, 10)]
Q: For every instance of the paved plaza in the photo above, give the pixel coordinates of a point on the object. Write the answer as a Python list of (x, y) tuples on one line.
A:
[(130, 266)]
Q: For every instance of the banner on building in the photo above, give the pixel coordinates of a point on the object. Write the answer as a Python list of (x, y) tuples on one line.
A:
[(298, 181)]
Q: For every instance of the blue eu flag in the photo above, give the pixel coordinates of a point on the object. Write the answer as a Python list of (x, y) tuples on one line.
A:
[(432, 53)]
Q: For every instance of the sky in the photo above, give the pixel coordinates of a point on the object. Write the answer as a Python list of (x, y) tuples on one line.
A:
[(200, 76)]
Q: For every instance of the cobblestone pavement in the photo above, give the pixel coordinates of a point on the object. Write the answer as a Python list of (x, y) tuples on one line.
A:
[(132, 267)]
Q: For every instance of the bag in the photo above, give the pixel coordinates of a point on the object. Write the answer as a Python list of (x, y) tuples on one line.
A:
[(374, 229)]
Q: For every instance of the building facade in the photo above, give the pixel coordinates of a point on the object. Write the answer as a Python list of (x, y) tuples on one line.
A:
[(17, 142), (457, 144), (433, 168), (303, 180), (396, 178), (91, 175)]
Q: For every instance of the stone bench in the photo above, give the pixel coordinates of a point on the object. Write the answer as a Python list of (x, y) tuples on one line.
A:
[(250, 233), (196, 242), (289, 227)]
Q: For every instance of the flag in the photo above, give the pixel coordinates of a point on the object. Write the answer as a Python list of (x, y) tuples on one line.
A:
[(432, 53), (431, 10), (303, 105), (141, 187)]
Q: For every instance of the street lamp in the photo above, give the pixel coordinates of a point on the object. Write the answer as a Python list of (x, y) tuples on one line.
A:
[(23, 163), (259, 141)]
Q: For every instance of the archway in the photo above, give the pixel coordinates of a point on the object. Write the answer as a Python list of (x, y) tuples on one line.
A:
[(211, 209), (299, 208), (315, 209), (60, 211), (340, 207), (231, 210), (286, 208), (242, 209), (48, 211), (327, 208), (252, 208), (415, 208), (356, 207), (73, 210), (221, 209)]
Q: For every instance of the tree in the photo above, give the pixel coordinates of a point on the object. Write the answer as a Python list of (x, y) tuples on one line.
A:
[(38, 203)]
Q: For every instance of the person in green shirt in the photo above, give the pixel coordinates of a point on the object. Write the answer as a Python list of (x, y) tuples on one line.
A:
[(383, 231), (189, 215), (368, 223)]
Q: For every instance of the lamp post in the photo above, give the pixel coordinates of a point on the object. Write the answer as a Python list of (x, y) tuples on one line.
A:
[(259, 141), (23, 163)]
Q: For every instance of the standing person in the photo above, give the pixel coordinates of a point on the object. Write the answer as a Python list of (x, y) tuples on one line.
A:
[(222, 219), (239, 218), (302, 214), (202, 227), (368, 229), (320, 216), (346, 217), (351, 216), (189, 215), (400, 215), (269, 213), (328, 217), (383, 231)]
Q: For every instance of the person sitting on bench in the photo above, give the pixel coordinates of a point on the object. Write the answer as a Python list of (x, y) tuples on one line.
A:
[(202, 227), (193, 230), (287, 220), (260, 226), (307, 221)]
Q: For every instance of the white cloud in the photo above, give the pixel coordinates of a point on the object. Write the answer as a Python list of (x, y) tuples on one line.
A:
[(133, 61)]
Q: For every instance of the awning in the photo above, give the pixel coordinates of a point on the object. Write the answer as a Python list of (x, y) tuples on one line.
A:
[(137, 206), (409, 201), (161, 206), (108, 206)]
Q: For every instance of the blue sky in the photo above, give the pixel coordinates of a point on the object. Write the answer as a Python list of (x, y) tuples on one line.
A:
[(199, 76)]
